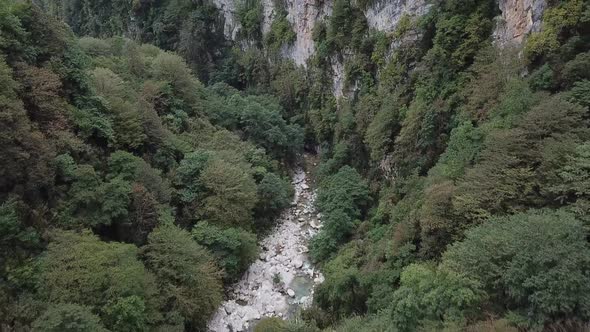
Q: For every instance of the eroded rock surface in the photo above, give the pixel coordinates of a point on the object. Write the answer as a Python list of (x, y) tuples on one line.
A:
[(519, 18), (282, 279), (384, 15)]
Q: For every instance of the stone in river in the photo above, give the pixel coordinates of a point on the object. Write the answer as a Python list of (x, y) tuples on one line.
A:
[(228, 309), (304, 186), (291, 292), (298, 263), (301, 219), (315, 224)]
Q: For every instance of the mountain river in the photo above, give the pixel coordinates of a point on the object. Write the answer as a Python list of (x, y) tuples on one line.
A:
[(283, 279)]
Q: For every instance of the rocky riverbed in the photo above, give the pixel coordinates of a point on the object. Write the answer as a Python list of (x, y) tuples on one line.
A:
[(282, 280)]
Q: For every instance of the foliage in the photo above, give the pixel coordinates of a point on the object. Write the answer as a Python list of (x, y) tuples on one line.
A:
[(250, 16), (535, 261), (274, 195), (15, 235), (435, 295), (92, 201), (187, 278), (68, 317), (259, 119), (192, 29), (231, 194), (558, 21), (347, 26), (432, 156), (343, 292), (281, 33), (273, 324), (341, 200), (79, 268), (234, 249)]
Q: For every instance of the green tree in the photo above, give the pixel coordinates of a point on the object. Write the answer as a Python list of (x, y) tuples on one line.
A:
[(93, 202), (580, 92), (345, 191), (15, 236), (127, 314), (68, 318), (188, 281), (436, 295), (230, 194), (341, 199), (281, 33), (343, 293), (382, 130), (274, 194), (535, 264), (188, 175), (79, 268), (250, 16), (272, 324), (171, 68), (234, 248)]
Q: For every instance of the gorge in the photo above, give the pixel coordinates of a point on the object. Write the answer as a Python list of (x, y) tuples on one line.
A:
[(283, 278), (294, 165)]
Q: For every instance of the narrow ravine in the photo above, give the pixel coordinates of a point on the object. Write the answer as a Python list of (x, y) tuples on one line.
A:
[(282, 280)]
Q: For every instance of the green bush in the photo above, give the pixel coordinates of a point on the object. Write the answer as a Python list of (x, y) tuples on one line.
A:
[(250, 17), (435, 295), (273, 324), (68, 318), (81, 269), (234, 248), (535, 264), (281, 34), (274, 195), (342, 198), (187, 279)]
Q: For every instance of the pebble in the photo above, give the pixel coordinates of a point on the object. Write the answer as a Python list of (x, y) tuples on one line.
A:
[(291, 292)]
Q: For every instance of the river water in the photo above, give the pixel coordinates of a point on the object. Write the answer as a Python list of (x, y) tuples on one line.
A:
[(282, 280)]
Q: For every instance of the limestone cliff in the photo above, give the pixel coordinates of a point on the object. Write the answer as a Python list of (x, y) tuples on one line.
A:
[(304, 15), (231, 25), (518, 19), (384, 15)]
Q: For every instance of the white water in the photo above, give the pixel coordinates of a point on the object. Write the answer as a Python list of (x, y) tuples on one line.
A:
[(282, 279)]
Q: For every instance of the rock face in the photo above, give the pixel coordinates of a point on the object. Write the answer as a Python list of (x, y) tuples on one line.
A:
[(304, 15), (282, 279), (231, 26), (519, 18), (384, 15)]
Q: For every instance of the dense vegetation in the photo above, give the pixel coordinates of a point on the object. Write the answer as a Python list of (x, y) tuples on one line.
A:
[(130, 191), (454, 179)]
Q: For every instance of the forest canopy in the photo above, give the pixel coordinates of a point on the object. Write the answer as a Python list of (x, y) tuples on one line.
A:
[(144, 155)]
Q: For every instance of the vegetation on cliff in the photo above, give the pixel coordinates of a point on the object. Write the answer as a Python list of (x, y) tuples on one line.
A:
[(453, 183)]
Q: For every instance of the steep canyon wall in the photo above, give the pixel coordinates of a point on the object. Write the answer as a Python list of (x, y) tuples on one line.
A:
[(518, 18)]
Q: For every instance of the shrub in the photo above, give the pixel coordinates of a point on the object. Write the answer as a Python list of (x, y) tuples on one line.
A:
[(68, 318), (535, 263), (188, 281), (234, 248)]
